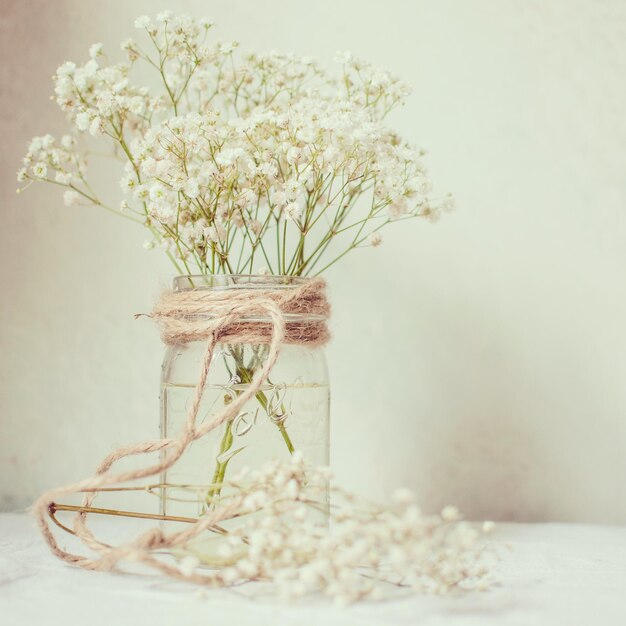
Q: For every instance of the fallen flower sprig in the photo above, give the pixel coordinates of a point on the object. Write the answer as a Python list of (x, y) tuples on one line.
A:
[(368, 552)]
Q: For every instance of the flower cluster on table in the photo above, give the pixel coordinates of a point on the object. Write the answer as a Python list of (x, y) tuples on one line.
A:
[(369, 552)]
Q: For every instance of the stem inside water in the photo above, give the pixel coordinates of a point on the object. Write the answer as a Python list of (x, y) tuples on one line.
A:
[(244, 375)]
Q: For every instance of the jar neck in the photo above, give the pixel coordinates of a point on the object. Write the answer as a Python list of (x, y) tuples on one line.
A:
[(237, 282)]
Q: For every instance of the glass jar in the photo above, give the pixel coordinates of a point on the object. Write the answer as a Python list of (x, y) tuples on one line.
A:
[(290, 412)]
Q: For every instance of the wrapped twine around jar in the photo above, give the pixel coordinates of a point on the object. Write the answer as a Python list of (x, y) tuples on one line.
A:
[(245, 315)]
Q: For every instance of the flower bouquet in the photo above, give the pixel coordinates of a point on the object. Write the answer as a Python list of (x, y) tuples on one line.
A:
[(254, 174)]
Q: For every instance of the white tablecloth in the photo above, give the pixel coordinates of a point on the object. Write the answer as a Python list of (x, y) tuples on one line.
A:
[(551, 574)]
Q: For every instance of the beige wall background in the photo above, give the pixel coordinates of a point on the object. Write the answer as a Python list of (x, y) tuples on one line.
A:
[(480, 360)]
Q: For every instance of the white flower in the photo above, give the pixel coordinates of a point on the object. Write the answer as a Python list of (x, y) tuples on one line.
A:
[(130, 47), (127, 183), (247, 569), (294, 155), (230, 575), (192, 189), (448, 203), (215, 233), (63, 177), (67, 69), (157, 192), (375, 239), (149, 166), (164, 16), (95, 50), (292, 211), (40, 170), (143, 21), (255, 226), (137, 105), (95, 127), (82, 121), (47, 141), (256, 500), (450, 514), (22, 175), (398, 208), (343, 57), (188, 565), (148, 244), (403, 496), (488, 526), (292, 189), (105, 102), (68, 142), (71, 197), (292, 489)]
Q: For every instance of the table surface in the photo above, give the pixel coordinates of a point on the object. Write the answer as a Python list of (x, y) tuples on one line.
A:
[(549, 574)]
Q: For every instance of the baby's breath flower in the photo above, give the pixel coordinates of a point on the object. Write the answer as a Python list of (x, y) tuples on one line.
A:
[(255, 226), (63, 177), (343, 57), (188, 565), (143, 22), (130, 47), (450, 513), (294, 155), (68, 142), (164, 16), (488, 526), (83, 121), (40, 170), (96, 126), (71, 197), (448, 204), (95, 50), (403, 496), (192, 188), (375, 239), (292, 211)]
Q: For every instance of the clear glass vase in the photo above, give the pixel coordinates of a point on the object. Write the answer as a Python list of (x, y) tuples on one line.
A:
[(290, 412)]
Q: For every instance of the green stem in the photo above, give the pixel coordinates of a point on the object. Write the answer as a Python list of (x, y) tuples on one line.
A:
[(220, 467), (245, 375)]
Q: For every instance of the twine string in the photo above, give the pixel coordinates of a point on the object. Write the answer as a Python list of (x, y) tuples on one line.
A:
[(194, 315)]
